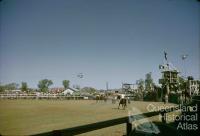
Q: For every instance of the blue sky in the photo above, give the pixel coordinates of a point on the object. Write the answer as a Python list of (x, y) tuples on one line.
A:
[(110, 41)]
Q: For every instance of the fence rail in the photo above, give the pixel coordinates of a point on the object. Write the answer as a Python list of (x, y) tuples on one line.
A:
[(108, 123), (33, 96)]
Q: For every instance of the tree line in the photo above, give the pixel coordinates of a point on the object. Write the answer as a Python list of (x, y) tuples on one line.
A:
[(43, 86)]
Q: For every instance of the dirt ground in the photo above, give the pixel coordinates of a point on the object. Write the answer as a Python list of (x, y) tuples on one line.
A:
[(25, 117)]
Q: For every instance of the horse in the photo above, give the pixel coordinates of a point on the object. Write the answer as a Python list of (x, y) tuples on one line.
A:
[(104, 98), (118, 97), (101, 97), (123, 102), (97, 98)]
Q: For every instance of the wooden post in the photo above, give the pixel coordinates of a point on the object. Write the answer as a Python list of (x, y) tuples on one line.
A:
[(128, 128)]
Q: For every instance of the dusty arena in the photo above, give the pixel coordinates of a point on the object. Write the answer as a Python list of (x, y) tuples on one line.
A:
[(26, 117)]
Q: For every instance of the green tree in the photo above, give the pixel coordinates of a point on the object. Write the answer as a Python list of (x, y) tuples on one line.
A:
[(66, 84), (140, 84), (182, 83), (149, 82), (24, 87), (11, 86), (140, 87), (44, 84), (2, 88), (89, 90)]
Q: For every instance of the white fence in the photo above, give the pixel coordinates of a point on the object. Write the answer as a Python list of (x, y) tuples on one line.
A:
[(43, 96)]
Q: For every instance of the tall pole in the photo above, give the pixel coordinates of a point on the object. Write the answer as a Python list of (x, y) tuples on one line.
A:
[(184, 58), (80, 76), (184, 64), (107, 86)]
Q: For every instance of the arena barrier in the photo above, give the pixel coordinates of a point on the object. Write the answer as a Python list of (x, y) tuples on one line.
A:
[(108, 123), (41, 97)]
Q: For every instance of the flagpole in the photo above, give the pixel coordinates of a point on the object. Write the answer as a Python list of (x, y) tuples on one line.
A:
[(184, 57), (166, 60)]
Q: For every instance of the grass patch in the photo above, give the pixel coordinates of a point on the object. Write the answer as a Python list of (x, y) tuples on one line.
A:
[(25, 117)]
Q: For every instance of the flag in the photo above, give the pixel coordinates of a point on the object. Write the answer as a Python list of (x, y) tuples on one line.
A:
[(165, 55)]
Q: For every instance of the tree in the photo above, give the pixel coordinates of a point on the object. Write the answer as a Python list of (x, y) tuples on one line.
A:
[(66, 84), (44, 84), (182, 83), (2, 88), (11, 86), (24, 87), (148, 82), (140, 87), (140, 84), (190, 78), (89, 90)]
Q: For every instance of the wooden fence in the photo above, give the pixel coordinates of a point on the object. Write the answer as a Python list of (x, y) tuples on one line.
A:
[(108, 123)]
